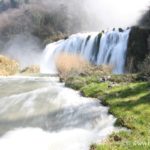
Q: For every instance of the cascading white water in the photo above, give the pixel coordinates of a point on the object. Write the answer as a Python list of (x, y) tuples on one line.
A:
[(99, 48), (39, 113), (112, 50)]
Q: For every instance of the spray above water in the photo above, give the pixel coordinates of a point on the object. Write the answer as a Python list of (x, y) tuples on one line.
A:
[(25, 49)]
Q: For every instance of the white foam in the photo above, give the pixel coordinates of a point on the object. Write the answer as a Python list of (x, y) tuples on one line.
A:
[(37, 139), (110, 49), (63, 119)]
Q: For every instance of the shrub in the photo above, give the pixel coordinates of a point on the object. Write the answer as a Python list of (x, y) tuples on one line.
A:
[(72, 64), (68, 64), (8, 66)]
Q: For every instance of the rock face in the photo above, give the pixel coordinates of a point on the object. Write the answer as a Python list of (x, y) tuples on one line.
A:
[(138, 48)]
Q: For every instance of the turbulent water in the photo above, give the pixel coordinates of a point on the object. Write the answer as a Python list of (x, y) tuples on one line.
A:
[(39, 113), (98, 48)]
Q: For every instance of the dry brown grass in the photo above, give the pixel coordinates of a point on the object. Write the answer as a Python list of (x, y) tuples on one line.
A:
[(70, 64), (8, 66), (104, 68), (73, 64)]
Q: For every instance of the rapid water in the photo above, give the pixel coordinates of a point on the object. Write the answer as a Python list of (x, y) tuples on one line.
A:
[(98, 48), (39, 113)]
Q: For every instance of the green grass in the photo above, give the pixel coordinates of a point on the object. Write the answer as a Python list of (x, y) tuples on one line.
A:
[(129, 102)]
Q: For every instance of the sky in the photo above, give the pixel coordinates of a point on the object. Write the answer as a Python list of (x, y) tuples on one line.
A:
[(115, 13)]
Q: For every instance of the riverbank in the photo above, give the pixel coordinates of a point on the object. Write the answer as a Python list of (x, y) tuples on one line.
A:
[(128, 97)]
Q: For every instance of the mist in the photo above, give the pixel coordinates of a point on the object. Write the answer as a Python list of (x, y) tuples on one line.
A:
[(26, 24), (117, 13), (25, 49), (75, 15), (97, 15)]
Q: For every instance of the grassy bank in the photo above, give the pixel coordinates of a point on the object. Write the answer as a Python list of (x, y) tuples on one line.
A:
[(128, 97)]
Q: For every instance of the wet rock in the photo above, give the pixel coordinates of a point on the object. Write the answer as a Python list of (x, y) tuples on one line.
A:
[(120, 30), (138, 48), (112, 84), (93, 147), (117, 138), (104, 78)]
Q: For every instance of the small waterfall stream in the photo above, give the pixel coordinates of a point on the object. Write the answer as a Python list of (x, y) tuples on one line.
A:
[(39, 113), (98, 48)]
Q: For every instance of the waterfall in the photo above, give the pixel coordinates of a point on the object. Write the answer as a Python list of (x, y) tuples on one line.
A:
[(98, 48)]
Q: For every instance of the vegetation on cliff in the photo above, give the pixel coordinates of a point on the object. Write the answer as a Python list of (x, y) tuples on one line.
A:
[(47, 20)]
